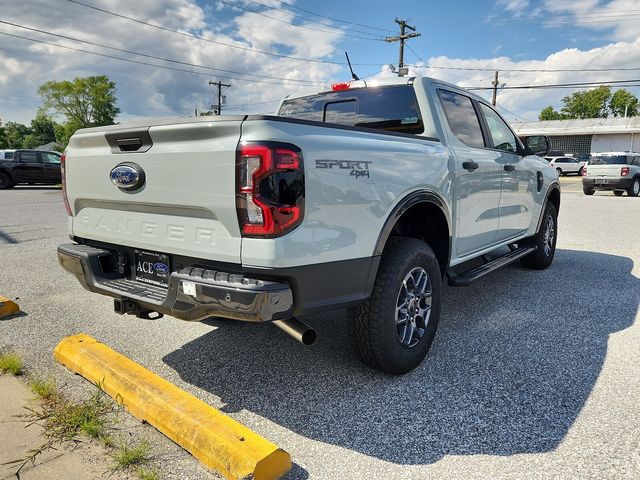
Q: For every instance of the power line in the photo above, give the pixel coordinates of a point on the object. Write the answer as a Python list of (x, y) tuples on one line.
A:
[(335, 19), (540, 70), (155, 57), (234, 5), (310, 19), (209, 40), (561, 85), (155, 65)]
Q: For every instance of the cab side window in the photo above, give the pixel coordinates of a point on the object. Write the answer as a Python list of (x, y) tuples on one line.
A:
[(501, 135), (29, 157), (462, 118), (50, 158)]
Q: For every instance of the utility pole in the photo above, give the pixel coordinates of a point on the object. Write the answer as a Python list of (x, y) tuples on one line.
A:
[(495, 84), (404, 26), (220, 85)]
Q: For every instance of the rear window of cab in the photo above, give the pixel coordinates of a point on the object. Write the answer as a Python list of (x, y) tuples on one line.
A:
[(392, 108)]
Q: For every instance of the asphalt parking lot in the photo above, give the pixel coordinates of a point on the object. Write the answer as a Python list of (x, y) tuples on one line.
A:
[(532, 374)]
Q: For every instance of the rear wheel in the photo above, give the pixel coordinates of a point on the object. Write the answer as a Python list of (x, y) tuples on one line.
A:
[(634, 189), (618, 193), (5, 181), (544, 240), (393, 330), (588, 191)]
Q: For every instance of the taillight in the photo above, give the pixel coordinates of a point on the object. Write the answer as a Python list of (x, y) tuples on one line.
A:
[(63, 174), (584, 171), (270, 188), (624, 171)]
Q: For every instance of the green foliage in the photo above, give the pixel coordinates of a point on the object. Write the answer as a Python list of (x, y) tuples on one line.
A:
[(84, 101), (623, 102), (11, 363), (587, 104), (127, 455), (14, 134), (596, 103), (548, 113), (44, 388), (148, 474)]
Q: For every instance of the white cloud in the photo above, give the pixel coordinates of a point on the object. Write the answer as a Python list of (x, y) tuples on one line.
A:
[(513, 6), (148, 91)]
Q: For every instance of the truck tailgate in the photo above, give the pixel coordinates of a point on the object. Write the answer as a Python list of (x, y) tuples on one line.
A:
[(186, 205)]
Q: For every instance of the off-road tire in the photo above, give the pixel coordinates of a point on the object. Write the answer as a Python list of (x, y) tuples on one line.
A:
[(634, 188), (542, 257), (373, 324)]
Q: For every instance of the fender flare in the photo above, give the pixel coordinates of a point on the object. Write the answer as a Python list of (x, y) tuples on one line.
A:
[(552, 187), (412, 199)]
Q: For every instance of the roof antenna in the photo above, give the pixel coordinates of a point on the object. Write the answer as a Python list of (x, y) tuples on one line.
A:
[(353, 75)]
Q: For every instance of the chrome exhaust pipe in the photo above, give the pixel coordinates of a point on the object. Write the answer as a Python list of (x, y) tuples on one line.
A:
[(302, 332)]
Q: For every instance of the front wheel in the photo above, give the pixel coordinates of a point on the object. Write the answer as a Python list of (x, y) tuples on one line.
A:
[(634, 189), (618, 193), (394, 329), (544, 241), (559, 171)]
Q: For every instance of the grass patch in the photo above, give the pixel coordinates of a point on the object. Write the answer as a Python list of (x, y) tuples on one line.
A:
[(148, 474), (44, 388), (132, 455), (12, 363)]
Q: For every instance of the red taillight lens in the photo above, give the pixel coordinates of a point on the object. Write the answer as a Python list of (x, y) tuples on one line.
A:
[(336, 87), (624, 171), (270, 189), (63, 174), (584, 171)]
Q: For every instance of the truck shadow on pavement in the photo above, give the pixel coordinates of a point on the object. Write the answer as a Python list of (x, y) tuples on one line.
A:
[(515, 358)]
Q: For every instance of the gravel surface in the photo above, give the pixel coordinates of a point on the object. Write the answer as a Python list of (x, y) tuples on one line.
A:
[(531, 374)]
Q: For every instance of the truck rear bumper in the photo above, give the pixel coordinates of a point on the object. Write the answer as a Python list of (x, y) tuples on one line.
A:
[(607, 183), (210, 293)]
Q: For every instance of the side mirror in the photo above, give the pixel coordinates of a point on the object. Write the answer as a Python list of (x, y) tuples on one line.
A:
[(537, 145)]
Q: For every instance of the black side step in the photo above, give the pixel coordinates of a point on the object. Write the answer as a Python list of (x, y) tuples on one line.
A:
[(470, 276)]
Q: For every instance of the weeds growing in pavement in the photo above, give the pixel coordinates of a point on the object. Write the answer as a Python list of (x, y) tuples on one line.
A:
[(44, 388), (131, 455), (12, 363), (148, 474)]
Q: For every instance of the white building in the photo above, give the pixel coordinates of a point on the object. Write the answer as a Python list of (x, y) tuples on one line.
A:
[(586, 136)]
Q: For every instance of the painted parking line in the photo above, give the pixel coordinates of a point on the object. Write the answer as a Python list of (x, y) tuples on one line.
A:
[(215, 439)]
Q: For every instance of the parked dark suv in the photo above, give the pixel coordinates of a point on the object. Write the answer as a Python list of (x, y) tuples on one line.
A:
[(30, 166)]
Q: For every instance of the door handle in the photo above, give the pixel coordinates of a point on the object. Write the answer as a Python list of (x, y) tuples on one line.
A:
[(470, 165), (509, 168)]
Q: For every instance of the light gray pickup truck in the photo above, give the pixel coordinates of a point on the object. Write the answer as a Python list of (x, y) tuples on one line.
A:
[(365, 196)]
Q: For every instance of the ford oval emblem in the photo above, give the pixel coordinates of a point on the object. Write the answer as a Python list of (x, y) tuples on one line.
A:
[(161, 268), (127, 176)]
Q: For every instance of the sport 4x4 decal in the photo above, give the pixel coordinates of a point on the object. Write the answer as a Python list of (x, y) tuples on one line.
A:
[(358, 168)]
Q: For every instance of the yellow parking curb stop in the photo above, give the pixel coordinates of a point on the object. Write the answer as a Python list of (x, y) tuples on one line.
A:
[(8, 307), (215, 439)]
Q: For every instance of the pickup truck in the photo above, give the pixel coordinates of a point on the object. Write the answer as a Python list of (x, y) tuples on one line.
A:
[(30, 166), (366, 196)]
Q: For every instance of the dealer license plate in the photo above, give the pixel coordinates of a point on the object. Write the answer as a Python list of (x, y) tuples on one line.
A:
[(152, 267)]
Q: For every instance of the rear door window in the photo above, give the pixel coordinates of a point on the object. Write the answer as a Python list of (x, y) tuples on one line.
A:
[(462, 118), (29, 157)]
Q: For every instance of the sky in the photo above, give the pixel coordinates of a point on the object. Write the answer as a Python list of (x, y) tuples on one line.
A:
[(164, 54)]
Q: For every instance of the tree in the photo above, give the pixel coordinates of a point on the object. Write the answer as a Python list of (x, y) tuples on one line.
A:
[(588, 104), (548, 113), (14, 134), (623, 104), (84, 101)]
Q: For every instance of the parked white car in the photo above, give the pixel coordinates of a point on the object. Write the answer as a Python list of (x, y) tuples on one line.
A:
[(566, 165), (617, 171)]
